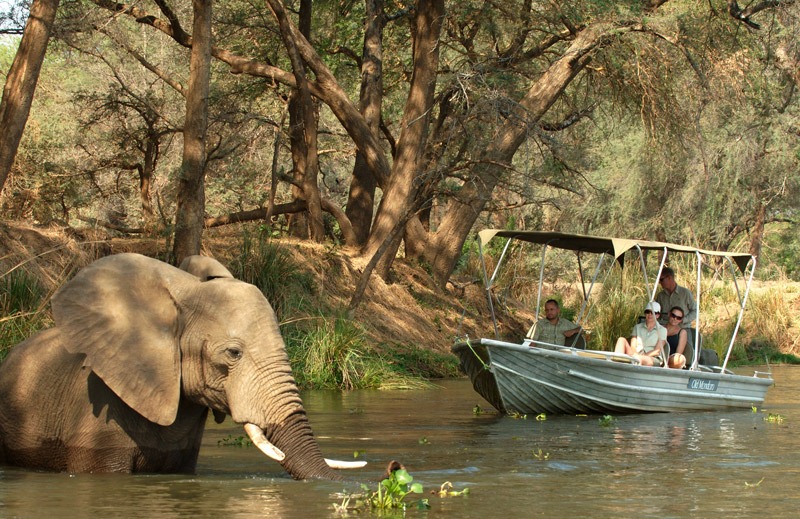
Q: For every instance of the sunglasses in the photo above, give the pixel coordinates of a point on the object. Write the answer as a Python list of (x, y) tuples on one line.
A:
[(678, 317), (646, 312)]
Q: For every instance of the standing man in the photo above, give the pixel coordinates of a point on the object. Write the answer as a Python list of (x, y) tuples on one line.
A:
[(553, 329), (673, 295)]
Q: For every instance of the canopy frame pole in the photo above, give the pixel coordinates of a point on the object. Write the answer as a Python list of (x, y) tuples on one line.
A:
[(541, 281), (658, 275), (697, 346), (489, 282), (752, 265)]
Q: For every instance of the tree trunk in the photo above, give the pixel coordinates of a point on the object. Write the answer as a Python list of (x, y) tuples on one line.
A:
[(361, 199), (303, 121), (151, 149), (21, 81), (407, 172), (757, 234), (191, 186)]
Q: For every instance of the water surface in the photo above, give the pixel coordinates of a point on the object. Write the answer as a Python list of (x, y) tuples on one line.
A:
[(731, 464)]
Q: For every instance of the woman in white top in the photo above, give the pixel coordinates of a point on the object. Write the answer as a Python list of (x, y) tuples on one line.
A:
[(647, 338)]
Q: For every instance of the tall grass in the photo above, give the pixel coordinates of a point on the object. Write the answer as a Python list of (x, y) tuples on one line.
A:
[(334, 354), (22, 308), (771, 326), (270, 267)]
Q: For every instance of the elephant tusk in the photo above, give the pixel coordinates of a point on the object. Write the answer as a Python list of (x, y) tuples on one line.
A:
[(338, 464), (256, 435)]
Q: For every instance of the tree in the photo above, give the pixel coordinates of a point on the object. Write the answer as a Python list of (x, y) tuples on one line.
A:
[(438, 127), (190, 213), (21, 81)]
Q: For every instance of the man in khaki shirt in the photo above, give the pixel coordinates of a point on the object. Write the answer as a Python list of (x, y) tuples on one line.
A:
[(672, 295), (553, 329)]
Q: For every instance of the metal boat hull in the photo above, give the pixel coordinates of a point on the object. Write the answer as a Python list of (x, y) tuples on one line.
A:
[(532, 380)]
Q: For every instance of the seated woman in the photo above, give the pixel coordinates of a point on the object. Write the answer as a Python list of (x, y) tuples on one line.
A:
[(647, 339), (677, 338)]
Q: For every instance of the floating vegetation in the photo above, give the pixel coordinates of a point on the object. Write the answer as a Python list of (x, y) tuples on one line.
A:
[(423, 441), (446, 490), (235, 441), (541, 455), (390, 495), (606, 421), (517, 416), (774, 418), (751, 485), (541, 417), (477, 410)]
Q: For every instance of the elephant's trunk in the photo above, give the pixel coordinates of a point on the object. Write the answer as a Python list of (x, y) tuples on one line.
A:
[(292, 444)]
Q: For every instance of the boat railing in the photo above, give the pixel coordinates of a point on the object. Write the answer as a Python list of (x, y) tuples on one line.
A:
[(597, 354)]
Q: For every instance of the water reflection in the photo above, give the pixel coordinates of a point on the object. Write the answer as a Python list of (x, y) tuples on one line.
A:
[(668, 465)]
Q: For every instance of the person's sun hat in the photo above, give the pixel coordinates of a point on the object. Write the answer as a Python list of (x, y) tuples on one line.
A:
[(653, 307)]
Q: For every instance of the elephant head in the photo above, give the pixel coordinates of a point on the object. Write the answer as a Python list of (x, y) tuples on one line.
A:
[(167, 340)]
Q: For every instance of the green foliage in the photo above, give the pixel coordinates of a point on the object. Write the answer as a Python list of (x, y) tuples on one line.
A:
[(235, 441), (22, 314), (616, 311), (781, 249), (393, 490), (332, 353), (606, 420), (423, 362)]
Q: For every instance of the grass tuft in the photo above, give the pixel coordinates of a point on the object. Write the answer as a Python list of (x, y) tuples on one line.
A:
[(271, 268), (22, 303)]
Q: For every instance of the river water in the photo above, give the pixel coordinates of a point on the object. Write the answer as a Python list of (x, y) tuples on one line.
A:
[(727, 464)]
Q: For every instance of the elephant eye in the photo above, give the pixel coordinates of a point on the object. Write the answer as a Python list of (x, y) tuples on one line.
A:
[(234, 353)]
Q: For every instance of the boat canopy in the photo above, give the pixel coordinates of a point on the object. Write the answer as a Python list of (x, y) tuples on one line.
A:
[(616, 247)]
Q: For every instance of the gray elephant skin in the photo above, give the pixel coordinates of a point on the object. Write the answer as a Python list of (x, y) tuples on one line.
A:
[(140, 352)]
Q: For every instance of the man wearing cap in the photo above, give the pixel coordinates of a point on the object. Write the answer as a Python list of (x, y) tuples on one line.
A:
[(647, 338), (672, 295)]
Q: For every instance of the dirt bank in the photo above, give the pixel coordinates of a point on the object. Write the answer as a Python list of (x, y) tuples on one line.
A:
[(406, 312)]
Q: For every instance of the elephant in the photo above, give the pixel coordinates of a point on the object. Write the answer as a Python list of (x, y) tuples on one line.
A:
[(139, 354)]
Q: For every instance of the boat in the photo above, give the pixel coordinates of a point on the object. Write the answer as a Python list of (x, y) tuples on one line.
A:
[(534, 377)]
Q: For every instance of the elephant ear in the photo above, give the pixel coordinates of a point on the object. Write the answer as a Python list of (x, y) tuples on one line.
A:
[(122, 313), (205, 268)]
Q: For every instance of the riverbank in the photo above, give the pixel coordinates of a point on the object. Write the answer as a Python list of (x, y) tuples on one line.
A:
[(406, 326), (399, 335)]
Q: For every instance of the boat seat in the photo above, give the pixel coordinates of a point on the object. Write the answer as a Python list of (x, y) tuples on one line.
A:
[(576, 341), (690, 350)]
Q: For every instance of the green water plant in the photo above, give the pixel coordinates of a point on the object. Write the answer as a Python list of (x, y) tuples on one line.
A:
[(235, 441), (446, 490), (393, 490), (751, 485), (541, 455), (390, 495), (774, 418), (606, 420)]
